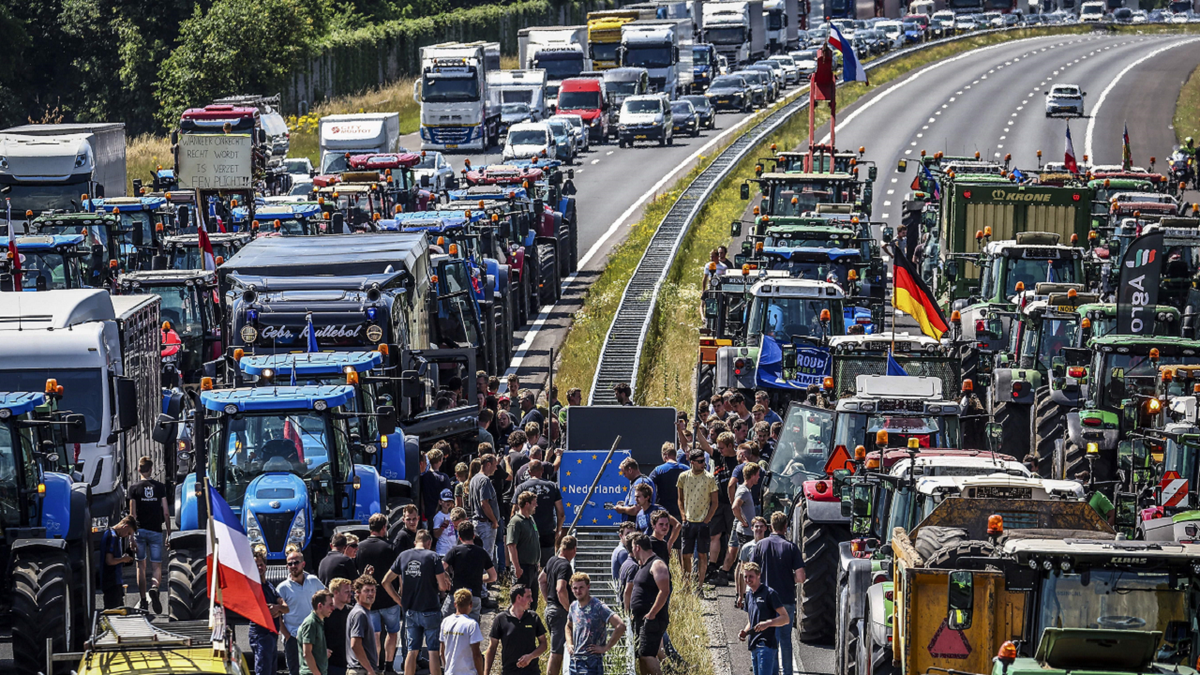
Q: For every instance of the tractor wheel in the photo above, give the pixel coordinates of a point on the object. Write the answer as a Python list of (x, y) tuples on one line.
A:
[(932, 539), (1050, 426), (571, 218), (873, 658), (548, 287), (1014, 424), (963, 555), (562, 232), (187, 584), (503, 339), (42, 607), (395, 516), (819, 547), (1076, 460), (705, 381), (844, 644), (853, 641)]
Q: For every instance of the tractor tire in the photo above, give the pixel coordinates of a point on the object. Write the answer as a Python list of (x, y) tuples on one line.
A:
[(42, 607), (1076, 459), (571, 219), (563, 234), (704, 381), (873, 658), (395, 516), (1050, 426), (503, 339), (187, 584), (819, 548), (1014, 424), (959, 556), (548, 286), (852, 648), (932, 539), (844, 644)]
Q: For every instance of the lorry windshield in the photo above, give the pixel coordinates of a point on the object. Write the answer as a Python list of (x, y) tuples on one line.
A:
[(649, 56), (448, 88), (1032, 272), (48, 271), (39, 197), (837, 7), (732, 35), (181, 307), (297, 443), (931, 431), (775, 20), (516, 96), (701, 56), (578, 100), (785, 317), (604, 51), (560, 67), (1123, 599), (79, 391)]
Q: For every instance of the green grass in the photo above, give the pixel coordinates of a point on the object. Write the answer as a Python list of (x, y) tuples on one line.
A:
[(1187, 108)]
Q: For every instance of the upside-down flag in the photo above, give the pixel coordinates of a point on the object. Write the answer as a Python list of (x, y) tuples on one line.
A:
[(238, 584), (852, 68), (1126, 151), (1069, 155), (914, 298)]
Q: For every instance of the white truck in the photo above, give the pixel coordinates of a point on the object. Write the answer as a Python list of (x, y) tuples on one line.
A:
[(561, 51), (519, 86), (356, 134), (664, 48), (782, 19), (736, 29), (50, 166), (104, 351), (456, 113)]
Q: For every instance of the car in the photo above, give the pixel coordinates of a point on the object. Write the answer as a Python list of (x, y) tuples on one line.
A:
[(1091, 12), (965, 22), (1064, 100), (805, 60), (704, 109), (579, 133), (299, 168), (529, 139), (565, 138), (777, 70), (772, 71), (1123, 15), (301, 188), (762, 83), (894, 30), (992, 20), (1140, 16), (433, 172), (645, 118), (877, 41), (790, 71), (730, 92), (685, 119), (1013, 19), (914, 28), (1180, 17), (514, 113)]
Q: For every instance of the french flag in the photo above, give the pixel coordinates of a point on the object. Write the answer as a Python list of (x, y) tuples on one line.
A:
[(852, 68), (15, 265), (239, 587), (1069, 155), (208, 260)]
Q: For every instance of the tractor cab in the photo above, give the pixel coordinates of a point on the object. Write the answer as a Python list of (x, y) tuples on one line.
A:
[(189, 304), (147, 220), (282, 220), (108, 253), (866, 354), (886, 411), (793, 194), (183, 250), (47, 263)]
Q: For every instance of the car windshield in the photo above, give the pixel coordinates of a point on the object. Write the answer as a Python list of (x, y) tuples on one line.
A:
[(181, 307), (80, 387), (784, 317), (578, 100), (450, 87), (296, 165), (1064, 91), (682, 108), (753, 77), (298, 443), (1123, 599), (700, 56), (727, 83), (643, 105), (569, 65), (698, 102), (558, 127), (300, 189), (527, 137)]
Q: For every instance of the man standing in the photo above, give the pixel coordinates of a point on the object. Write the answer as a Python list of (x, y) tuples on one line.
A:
[(529, 411), (665, 478), (632, 473), (461, 638), (335, 624), (361, 652), (555, 582), (524, 548), (623, 393), (523, 635), (298, 591), (697, 504), (485, 420), (720, 528), (311, 636), (574, 397), (649, 604), (378, 554), (412, 521), (484, 504), (781, 567), (115, 545), (469, 567), (764, 399), (744, 510), (433, 482), (549, 515), (760, 528), (587, 629), (767, 617), (336, 563), (148, 505), (264, 643), (421, 576), (646, 509)]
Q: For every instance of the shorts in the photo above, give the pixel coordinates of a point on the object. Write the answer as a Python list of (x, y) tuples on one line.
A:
[(722, 521), (556, 621), (114, 597), (149, 544), (593, 664), (695, 536), (448, 607), (386, 620), (648, 636), (423, 625), (737, 539)]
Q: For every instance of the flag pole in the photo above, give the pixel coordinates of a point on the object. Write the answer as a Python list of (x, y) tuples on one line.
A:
[(893, 347)]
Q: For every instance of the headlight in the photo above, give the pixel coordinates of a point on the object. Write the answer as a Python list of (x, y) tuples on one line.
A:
[(249, 334), (299, 531), (80, 160), (621, 127), (253, 531), (374, 333)]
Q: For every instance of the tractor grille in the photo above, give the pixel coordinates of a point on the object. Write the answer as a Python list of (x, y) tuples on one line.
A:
[(846, 369), (275, 528)]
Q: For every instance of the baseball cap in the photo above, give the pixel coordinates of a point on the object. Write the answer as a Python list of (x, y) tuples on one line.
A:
[(447, 495)]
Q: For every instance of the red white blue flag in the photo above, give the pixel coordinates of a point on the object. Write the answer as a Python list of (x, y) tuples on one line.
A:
[(1069, 155), (852, 68), (238, 585)]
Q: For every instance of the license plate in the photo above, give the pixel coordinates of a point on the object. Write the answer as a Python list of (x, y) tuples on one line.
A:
[(643, 136), (722, 100)]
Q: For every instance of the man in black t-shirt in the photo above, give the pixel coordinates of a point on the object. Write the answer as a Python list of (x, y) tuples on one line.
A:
[(549, 515), (377, 553), (766, 614), (336, 563), (405, 537), (469, 567), (555, 581), (335, 624), (523, 635), (422, 576), (148, 505)]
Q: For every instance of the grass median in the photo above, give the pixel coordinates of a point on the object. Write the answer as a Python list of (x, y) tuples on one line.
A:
[(1187, 108)]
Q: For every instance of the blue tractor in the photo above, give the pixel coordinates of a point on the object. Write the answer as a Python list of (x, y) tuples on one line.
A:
[(283, 458), (48, 262), (46, 522)]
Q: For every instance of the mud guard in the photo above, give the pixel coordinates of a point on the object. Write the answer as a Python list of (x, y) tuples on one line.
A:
[(1104, 436), (1026, 381)]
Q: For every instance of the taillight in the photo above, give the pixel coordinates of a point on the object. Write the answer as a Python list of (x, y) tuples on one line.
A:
[(980, 325), (738, 365), (76, 460), (1016, 388), (1091, 421), (1077, 372), (888, 595), (880, 577)]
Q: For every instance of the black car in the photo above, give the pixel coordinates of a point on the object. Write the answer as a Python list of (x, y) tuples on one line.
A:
[(704, 108), (730, 92), (686, 120)]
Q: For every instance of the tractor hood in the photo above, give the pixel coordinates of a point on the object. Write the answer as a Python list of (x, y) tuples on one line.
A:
[(275, 510), (1090, 649)]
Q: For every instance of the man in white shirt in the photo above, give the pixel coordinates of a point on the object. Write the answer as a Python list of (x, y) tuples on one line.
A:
[(461, 638)]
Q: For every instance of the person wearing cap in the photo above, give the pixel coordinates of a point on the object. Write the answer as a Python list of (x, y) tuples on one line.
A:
[(445, 522)]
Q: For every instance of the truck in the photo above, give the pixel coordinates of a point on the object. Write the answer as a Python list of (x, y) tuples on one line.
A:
[(662, 47), (561, 51), (604, 33), (104, 351), (782, 19), (736, 29), (51, 166), (342, 136), (519, 86), (456, 113)]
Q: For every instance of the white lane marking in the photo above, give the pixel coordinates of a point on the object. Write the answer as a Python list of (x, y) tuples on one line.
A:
[(595, 161), (1091, 127), (887, 203), (1003, 137), (895, 180), (891, 192), (609, 152)]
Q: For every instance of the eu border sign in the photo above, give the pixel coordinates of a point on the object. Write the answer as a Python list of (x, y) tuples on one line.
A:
[(575, 475)]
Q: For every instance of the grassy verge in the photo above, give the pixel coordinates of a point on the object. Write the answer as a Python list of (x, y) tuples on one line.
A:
[(1187, 108), (143, 154)]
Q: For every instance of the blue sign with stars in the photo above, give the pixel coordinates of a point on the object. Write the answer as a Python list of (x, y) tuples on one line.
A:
[(575, 475)]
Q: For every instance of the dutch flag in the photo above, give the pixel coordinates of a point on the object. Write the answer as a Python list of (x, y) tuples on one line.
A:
[(852, 69)]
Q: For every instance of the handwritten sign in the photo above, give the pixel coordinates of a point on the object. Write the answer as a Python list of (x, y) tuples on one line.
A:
[(215, 161), (575, 475)]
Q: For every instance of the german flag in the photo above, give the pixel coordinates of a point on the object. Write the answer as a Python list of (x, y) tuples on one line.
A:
[(914, 298)]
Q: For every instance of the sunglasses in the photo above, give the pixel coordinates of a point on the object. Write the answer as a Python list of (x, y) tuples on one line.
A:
[(352, 545), (295, 563)]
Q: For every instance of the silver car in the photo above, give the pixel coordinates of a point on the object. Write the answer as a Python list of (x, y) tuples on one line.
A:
[(1064, 100), (434, 172), (578, 132)]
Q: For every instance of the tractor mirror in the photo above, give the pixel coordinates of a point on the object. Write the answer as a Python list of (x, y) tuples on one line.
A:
[(961, 599), (387, 420), (735, 228), (993, 430), (127, 412), (75, 429), (165, 429), (951, 269), (712, 308), (860, 501), (872, 173), (745, 191), (410, 384), (847, 505), (902, 165)]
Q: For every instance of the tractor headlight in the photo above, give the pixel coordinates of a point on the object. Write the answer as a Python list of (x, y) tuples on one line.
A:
[(249, 334), (299, 531), (253, 531), (374, 333)]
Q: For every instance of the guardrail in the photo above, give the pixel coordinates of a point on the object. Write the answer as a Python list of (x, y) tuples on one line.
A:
[(621, 354)]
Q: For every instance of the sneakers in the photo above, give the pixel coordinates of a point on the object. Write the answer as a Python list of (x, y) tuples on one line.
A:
[(143, 605), (156, 601), (721, 578)]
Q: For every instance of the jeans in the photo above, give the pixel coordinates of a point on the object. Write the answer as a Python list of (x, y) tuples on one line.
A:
[(264, 646), (291, 654), (784, 634), (586, 665), (500, 552), (150, 544), (423, 627), (485, 536), (765, 660)]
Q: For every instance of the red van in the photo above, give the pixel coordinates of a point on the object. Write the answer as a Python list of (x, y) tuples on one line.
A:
[(585, 96)]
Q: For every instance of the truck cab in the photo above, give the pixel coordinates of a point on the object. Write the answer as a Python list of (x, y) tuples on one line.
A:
[(586, 97), (47, 263), (453, 93), (662, 47)]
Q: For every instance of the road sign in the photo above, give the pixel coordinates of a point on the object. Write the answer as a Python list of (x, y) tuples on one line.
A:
[(575, 475), (1173, 491)]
